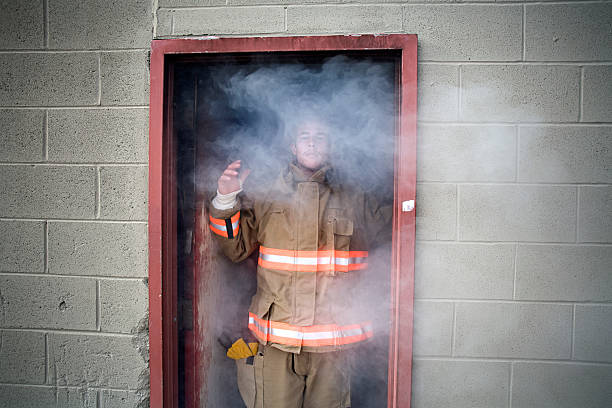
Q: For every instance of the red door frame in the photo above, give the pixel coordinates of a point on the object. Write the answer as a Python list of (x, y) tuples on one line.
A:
[(163, 358)]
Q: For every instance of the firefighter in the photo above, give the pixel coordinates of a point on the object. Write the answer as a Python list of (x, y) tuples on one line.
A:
[(313, 232)]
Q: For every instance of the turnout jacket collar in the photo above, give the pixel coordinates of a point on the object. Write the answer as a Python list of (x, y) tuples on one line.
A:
[(293, 175), (312, 237)]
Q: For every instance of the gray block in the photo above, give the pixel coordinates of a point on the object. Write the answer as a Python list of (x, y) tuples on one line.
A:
[(48, 302), (293, 2), (125, 78), (102, 249), (433, 328), (595, 214), (593, 332), (191, 3), (517, 213), (22, 246), (597, 94), (438, 92), (120, 399), (47, 191), (561, 385), (94, 360), (21, 135), (436, 211), (22, 357), (164, 22), (466, 32), (123, 193), (290, 2), (123, 304), (466, 153), (460, 384), (92, 24), (16, 396), (514, 330), (21, 24), (568, 32), (98, 135), (520, 93), (56, 79), (464, 271), (241, 20), (346, 19), (575, 154), (564, 272)]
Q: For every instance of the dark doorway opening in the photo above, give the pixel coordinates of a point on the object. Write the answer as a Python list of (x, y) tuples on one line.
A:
[(215, 121)]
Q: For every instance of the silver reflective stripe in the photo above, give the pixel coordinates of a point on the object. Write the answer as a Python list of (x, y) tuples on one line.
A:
[(289, 259), (349, 261), (342, 261), (358, 260), (352, 332), (327, 260), (261, 328), (294, 334), (300, 335), (224, 228), (219, 227), (291, 334), (319, 335)]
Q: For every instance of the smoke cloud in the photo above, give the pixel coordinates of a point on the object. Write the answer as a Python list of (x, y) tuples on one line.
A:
[(256, 111), (248, 109)]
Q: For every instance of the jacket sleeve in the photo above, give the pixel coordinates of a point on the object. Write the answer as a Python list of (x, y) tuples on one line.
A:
[(235, 229), (378, 218)]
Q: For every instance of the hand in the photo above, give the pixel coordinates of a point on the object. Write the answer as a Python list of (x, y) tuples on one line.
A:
[(232, 178)]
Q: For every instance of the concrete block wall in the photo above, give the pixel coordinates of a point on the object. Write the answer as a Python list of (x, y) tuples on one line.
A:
[(74, 86), (513, 256)]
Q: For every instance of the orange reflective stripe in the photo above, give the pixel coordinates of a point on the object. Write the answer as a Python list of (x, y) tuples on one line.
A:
[(218, 231), (219, 226), (312, 336), (217, 221), (321, 252), (312, 261)]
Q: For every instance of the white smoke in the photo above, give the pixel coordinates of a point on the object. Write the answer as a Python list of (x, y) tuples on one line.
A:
[(247, 111)]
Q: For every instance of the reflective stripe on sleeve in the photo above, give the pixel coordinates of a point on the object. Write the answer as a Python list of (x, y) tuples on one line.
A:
[(312, 261), (311, 336), (220, 226)]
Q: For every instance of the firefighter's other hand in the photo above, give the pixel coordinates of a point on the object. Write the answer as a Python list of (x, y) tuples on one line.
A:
[(232, 178)]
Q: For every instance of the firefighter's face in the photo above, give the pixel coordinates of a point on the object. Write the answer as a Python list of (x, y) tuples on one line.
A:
[(311, 147)]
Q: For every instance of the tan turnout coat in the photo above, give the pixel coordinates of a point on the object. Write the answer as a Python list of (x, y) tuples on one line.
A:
[(312, 235)]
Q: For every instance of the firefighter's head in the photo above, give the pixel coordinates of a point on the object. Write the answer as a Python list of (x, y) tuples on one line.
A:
[(310, 144)]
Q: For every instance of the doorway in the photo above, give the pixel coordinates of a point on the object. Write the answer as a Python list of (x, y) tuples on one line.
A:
[(240, 105)]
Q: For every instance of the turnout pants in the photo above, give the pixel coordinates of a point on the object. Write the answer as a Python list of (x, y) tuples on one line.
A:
[(305, 380)]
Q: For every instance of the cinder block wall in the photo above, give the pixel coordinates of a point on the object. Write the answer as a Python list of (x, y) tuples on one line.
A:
[(514, 206), (73, 195), (514, 197)]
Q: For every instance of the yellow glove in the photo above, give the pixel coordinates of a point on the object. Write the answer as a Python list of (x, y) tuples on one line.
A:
[(241, 350), (254, 347)]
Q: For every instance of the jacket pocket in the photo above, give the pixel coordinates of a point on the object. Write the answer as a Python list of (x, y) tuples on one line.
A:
[(259, 314), (343, 226), (340, 232), (261, 304)]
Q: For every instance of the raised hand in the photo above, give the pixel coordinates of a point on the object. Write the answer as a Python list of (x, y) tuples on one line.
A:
[(232, 178)]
